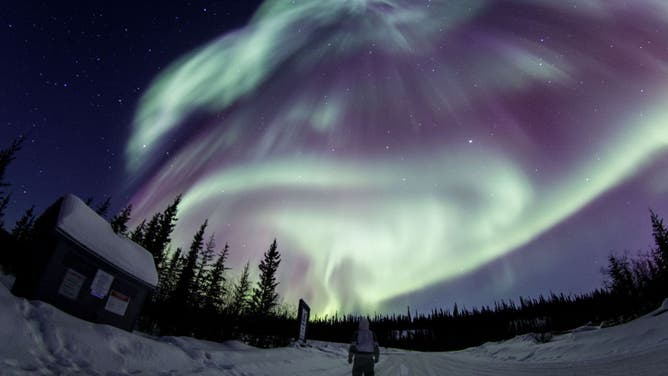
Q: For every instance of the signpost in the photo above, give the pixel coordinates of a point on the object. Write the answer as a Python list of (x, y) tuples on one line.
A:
[(302, 319)]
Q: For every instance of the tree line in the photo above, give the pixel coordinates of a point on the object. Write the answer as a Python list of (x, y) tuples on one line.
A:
[(195, 296), (633, 286)]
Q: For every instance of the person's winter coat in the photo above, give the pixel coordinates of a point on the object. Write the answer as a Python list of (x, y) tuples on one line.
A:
[(363, 350)]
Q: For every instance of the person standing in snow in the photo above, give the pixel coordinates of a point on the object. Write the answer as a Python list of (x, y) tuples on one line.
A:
[(364, 350)]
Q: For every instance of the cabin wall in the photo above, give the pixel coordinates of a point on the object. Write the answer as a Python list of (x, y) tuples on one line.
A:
[(72, 268)]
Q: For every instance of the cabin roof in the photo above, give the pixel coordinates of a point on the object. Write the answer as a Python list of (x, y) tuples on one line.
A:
[(84, 225)]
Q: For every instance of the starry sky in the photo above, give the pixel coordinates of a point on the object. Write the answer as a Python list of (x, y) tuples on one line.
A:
[(403, 152)]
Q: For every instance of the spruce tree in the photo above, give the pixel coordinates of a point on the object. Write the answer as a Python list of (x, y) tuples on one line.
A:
[(660, 235), (6, 157), (216, 289), (166, 226), (203, 265), (240, 294), (173, 269), (137, 234), (621, 276), (119, 223), (185, 284), (265, 297), (4, 202), (103, 208), (157, 232), (149, 240), (23, 228), (170, 274)]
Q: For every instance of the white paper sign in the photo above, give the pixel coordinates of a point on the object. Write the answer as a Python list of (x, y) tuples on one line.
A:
[(71, 284), (101, 284), (117, 303)]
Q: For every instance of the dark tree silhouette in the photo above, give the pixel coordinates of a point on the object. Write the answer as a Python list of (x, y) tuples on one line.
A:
[(620, 275), (265, 297), (6, 157), (170, 275), (165, 228), (660, 234), (23, 228), (202, 278), (216, 283), (150, 238), (4, 203), (241, 292), (185, 284), (119, 223), (137, 235), (156, 233), (103, 208)]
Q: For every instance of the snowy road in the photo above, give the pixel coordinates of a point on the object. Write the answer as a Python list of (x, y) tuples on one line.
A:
[(654, 362), (443, 364)]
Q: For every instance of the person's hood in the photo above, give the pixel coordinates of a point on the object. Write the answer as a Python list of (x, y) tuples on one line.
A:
[(364, 324)]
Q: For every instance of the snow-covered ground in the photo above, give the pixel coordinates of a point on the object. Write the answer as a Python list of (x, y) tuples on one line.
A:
[(37, 339)]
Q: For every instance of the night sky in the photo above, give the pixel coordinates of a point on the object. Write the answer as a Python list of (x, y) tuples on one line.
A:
[(403, 152)]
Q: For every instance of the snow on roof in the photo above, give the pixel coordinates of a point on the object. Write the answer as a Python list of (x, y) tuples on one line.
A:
[(84, 225)]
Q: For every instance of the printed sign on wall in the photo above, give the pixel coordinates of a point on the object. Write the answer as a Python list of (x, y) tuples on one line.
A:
[(117, 303), (101, 284), (71, 284)]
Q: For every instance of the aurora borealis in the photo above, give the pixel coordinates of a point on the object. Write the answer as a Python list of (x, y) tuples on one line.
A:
[(392, 145)]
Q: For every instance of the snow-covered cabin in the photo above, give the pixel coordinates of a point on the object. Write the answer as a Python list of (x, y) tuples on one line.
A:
[(78, 264)]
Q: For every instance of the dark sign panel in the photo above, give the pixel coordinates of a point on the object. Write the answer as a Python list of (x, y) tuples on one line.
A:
[(302, 319)]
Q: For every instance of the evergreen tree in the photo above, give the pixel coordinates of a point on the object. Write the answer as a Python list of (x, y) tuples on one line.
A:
[(149, 240), (166, 226), (89, 201), (6, 157), (185, 284), (660, 235), (216, 289), (4, 203), (158, 230), (103, 208), (137, 235), (119, 223), (620, 275), (170, 274), (203, 265), (265, 297), (173, 269), (240, 295), (23, 228)]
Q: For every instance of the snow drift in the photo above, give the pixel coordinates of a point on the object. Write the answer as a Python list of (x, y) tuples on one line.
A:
[(46, 341)]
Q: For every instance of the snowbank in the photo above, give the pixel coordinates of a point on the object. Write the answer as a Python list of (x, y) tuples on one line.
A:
[(583, 343), (46, 341)]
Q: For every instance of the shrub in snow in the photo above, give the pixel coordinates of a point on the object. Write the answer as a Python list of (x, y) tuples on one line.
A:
[(664, 305), (543, 337)]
